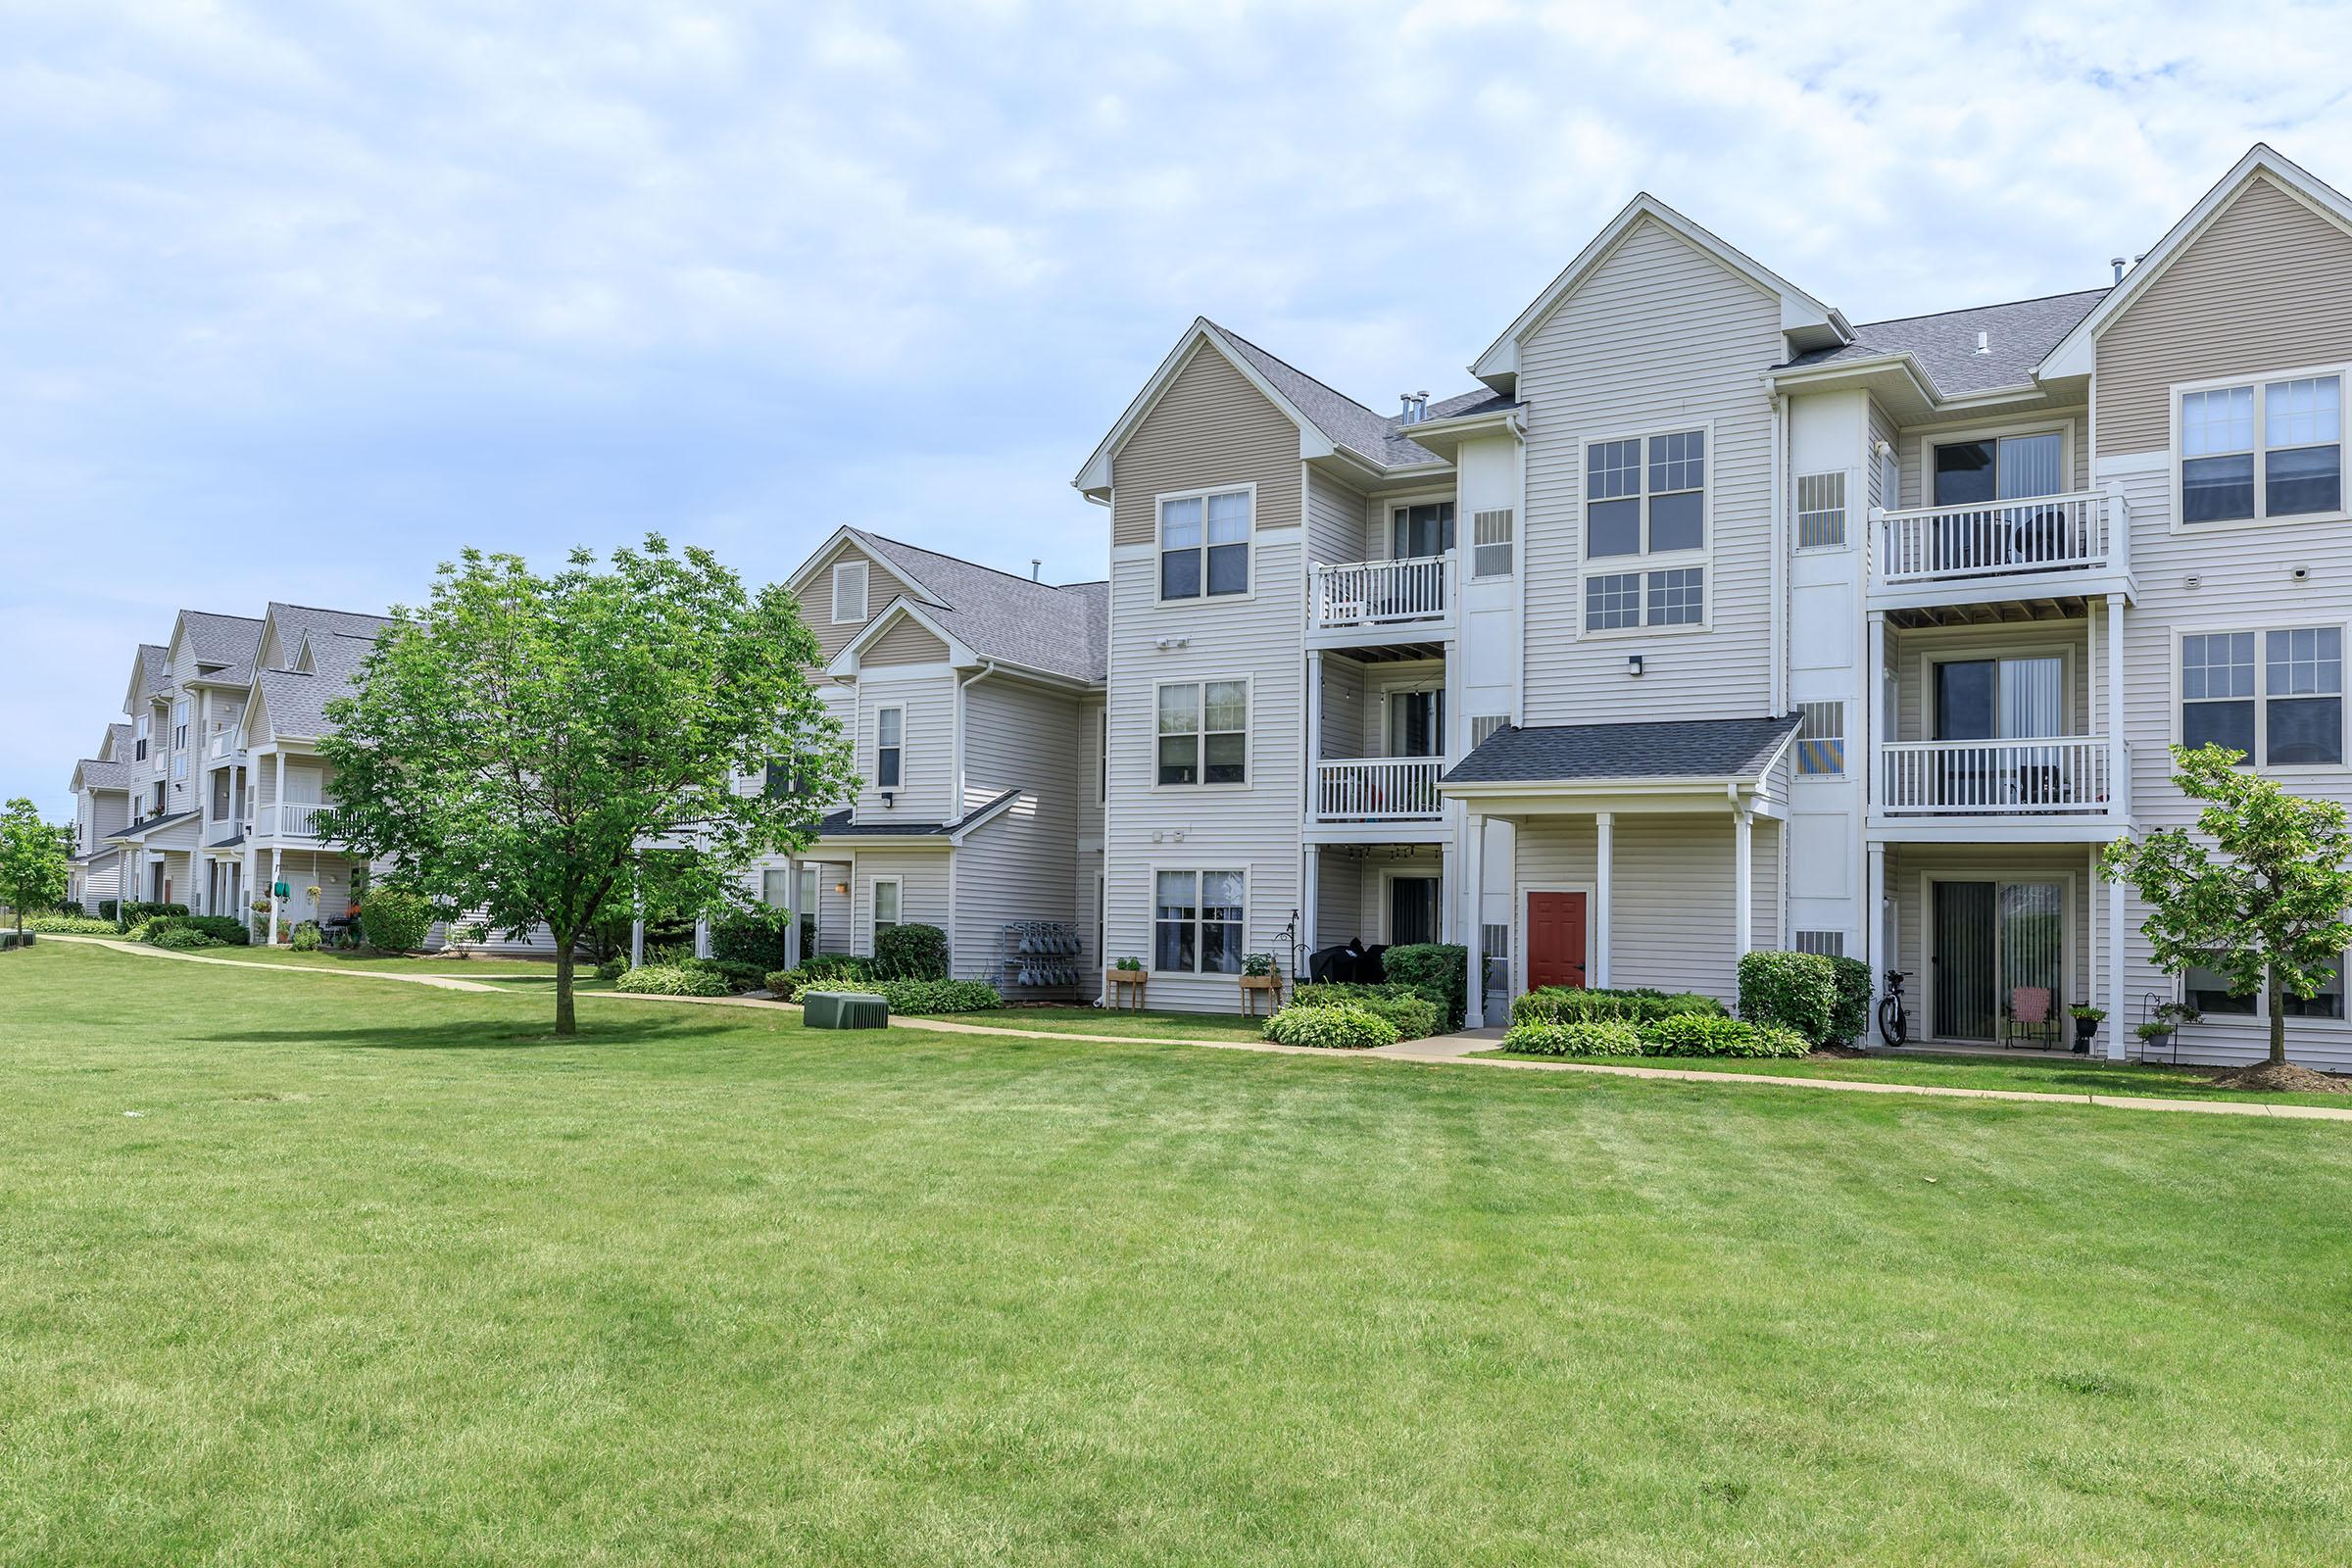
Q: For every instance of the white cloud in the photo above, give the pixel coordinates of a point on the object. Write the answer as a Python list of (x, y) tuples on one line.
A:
[(389, 277)]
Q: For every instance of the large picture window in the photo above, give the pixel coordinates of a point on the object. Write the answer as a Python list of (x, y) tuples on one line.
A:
[(1204, 733), (1205, 544), (2276, 695), (1197, 921), (2267, 449), (1645, 497)]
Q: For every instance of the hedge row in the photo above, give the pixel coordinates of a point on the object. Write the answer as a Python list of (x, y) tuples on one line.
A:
[(1569, 1004), (1409, 1009), (1336, 1026), (1681, 1034)]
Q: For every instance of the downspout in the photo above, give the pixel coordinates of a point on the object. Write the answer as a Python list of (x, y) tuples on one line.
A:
[(1779, 701)]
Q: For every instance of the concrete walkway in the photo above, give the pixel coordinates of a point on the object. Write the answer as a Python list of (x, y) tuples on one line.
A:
[(1438, 1051)]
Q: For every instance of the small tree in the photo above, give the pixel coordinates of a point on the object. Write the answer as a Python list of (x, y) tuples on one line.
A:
[(517, 744), (2265, 904), (33, 856)]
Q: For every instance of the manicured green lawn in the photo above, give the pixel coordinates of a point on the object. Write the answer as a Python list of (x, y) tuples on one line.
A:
[(388, 1276), (423, 964), (2054, 1074), (1127, 1025)]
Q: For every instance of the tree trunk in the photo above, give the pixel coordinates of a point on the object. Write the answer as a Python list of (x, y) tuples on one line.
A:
[(2277, 999), (565, 1023)]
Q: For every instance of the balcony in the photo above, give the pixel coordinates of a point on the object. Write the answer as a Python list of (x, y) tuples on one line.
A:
[(1379, 789), (1382, 594), (224, 747), (2054, 777), (2041, 547), (291, 819)]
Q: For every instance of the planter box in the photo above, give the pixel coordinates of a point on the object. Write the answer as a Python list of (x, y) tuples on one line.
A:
[(1126, 984), (1256, 985)]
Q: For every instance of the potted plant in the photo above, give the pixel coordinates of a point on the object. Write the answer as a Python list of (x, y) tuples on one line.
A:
[(1128, 979), (2164, 1023), (2086, 1025), (1259, 973)]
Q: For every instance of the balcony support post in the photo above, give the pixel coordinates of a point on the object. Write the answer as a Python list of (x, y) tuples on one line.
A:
[(1874, 918), (1874, 681), (2119, 787), (1474, 855), (1313, 742), (2115, 972), (1744, 879), (1604, 854), (277, 872), (1310, 904), (1449, 898)]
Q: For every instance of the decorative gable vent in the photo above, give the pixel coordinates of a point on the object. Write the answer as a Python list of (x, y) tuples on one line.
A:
[(849, 592), (1490, 542)]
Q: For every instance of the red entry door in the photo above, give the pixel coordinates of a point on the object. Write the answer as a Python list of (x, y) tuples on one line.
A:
[(1555, 940)]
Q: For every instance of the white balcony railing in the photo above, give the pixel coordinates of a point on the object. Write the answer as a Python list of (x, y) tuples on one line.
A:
[(2060, 775), (1372, 593), (291, 819), (224, 743), (1377, 789), (2046, 533)]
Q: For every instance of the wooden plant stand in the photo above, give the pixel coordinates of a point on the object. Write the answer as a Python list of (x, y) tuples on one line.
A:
[(1127, 983), (1256, 985)]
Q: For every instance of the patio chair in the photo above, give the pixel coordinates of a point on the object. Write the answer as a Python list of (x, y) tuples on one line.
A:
[(2030, 1016)]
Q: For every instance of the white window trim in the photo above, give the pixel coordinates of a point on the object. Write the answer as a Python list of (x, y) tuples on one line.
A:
[(1405, 502), (898, 709), (2262, 679), (865, 590), (2180, 389), (1152, 914), (1159, 546), (1249, 739), (2261, 1015), (1645, 562), (874, 906)]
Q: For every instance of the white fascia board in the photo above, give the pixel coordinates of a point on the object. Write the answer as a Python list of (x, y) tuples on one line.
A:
[(1093, 479), (845, 661), (1799, 311), (2075, 352), (822, 556)]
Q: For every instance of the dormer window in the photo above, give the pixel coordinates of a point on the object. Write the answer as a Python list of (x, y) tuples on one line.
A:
[(849, 593)]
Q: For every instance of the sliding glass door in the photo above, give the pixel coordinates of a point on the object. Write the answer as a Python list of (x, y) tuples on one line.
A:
[(1999, 952)]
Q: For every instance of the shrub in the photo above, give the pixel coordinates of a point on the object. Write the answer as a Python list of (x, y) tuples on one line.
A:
[(911, 952), (225, 930), (831, 972), (1345, 1026), (1438, 970), (738, 976), (761, 941), (181, 938), (613, 968), (673, 980), (1569, 1004), (395, 919), (1590, 1037), (938, 996), (76, 924), (1415, 1017), (1790, 991), (1694, 1034), (130, 911), (110, 910), (1852, 1016), (304, 937)]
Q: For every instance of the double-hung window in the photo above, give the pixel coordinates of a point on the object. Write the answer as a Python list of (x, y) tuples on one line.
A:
[(890, 747), (2277, 695), (2267, 449), (1646, 531), (1205, 544), (1204, 733), (886, 903), (179, 725), (1197, 921), (140, 746)]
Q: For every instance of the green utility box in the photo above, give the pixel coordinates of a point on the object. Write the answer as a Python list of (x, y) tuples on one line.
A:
[(844, 1010)]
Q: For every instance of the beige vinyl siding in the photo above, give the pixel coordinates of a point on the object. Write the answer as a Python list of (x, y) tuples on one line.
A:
[(907, 642), (1022, 864), (1911, 869), (1335, 522), (926, 788), (1671, 881), (2266, 286), (817, 605), (1210, 428), (1661, 337), (922, 897)]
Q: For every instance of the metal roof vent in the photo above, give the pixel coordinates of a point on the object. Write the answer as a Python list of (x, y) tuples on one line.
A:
[(1416, 407), (1984, 342)]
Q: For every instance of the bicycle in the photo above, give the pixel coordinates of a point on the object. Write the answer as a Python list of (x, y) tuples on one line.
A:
[(1895, 1023)]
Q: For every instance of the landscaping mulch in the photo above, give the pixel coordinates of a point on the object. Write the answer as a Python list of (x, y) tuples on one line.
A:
[(2282, 1077), (1836, 1053)]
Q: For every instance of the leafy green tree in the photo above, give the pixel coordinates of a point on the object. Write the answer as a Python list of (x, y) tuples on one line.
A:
[(34, 873), (2265, 904), (519, 741)]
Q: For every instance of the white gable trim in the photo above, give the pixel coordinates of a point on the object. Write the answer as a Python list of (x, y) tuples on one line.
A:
[(846, 662), (1800, 312), (846, 536), (1093, 479), (2075, 352)]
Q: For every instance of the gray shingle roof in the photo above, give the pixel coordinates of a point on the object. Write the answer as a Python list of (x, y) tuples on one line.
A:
[(97, 775), (155, 677), (1064, 630), (1347, 421), (142, 830), (295, 621), (838, 826), (297, 702), (2020, 334), (1676, 747), (116, 745), (221, 639)]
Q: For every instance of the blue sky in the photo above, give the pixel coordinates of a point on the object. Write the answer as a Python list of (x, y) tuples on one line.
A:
[(297, 300)]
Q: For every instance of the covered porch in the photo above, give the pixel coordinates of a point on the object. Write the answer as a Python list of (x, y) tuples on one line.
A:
[(1364, 897), (1641, 855)]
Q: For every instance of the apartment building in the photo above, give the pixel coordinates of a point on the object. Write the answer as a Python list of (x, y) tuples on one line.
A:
[(974, 699), (1709, 619)]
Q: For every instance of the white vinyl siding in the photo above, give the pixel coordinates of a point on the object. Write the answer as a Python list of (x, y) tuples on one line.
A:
[(1022, 864)]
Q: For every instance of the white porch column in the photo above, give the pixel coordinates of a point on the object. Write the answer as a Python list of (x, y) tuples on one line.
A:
[(1474, 885), (1743, 881), (276, 870), (200, 883), (2119, 784), (701, 936), (1314, 743), (2091, 903), (792, 956), (2114, 1032), (1874, 919), (1604, 854), (1450, 901), (1873, 704), (1310, 902)]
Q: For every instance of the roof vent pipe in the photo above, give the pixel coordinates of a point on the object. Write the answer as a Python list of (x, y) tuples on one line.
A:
[(1035, 566), (2117, 261), (1416, 407), (1984, 342)]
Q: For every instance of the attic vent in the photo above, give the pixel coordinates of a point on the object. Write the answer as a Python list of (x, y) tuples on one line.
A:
[(1984, 342), (1416, 407), (849, 592)]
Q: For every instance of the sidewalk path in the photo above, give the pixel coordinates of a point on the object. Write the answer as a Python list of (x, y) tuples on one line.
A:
[(1440, 1051)]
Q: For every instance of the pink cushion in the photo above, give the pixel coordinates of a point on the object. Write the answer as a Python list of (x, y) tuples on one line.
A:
[(2029, 1005)]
